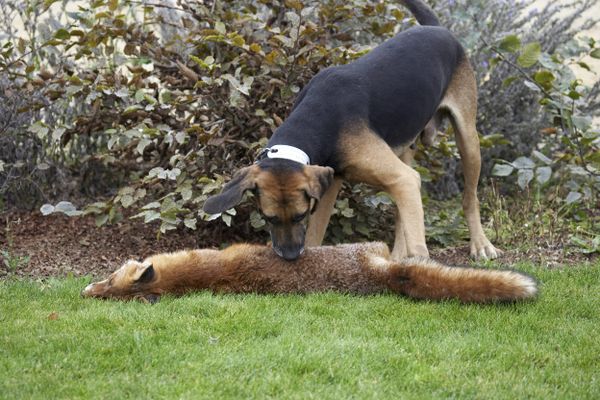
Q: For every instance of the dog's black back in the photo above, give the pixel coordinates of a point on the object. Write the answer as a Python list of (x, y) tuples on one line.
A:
[(395, 89)]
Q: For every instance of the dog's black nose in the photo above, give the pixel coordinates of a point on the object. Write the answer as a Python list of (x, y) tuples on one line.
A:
[(291, 256), (290, 253)]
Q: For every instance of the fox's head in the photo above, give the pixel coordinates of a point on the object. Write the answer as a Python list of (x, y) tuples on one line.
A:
[(134, 280)]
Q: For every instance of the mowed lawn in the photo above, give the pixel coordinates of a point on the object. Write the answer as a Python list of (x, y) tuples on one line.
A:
[(53, 344)]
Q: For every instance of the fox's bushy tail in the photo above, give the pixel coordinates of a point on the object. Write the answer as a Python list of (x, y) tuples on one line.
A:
[(421, 278), (422, 12)]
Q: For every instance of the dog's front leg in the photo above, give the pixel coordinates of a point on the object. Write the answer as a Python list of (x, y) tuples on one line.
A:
[(378, 165), (400, 248), (319, 219), (405, 189)]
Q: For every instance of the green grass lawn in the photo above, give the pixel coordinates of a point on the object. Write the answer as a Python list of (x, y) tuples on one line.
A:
[(53, 344)]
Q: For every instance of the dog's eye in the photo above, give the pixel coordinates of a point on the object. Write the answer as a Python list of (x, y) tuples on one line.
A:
[(272, 220), (300, 217)]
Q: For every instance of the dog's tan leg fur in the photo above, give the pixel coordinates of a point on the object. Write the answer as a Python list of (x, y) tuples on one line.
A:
[(407, 156), (380, 166), (461, 101), (429, 133), (317, 224)]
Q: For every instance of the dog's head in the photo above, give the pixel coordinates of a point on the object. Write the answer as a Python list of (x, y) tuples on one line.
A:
[(134, 280), (286, 191)]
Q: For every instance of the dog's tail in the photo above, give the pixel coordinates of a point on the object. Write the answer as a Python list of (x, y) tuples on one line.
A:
[(421, 278), (422, 12)]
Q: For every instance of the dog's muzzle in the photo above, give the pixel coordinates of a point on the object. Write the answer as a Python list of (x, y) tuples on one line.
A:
[(288, 243)]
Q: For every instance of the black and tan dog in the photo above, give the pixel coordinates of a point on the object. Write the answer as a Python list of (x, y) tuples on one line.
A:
[(358, 122)]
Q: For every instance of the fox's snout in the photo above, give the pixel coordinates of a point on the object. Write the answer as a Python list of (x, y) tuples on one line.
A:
[(87, 289), (91, 290)]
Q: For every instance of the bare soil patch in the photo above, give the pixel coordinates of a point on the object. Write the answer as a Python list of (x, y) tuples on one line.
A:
[(57, 245)]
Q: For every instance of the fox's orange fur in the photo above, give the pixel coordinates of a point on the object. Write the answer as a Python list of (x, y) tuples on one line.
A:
[(362, 268)]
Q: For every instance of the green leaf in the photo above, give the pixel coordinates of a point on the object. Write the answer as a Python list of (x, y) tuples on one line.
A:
[(150, 216), (190, 223), (139, 95), (256, 220), (57, 134), (53, 42), (226, 218), (595, 53), (186, 193), (584, 65), (582, 123), (509, 80), (47, 209), (164, 96), (544, 78), (523, 163), (510, 43), (131, 109), (21, 45), (524, 177), (40, 129), (101, 219), (541, 157), (502, 169), (348, 212), (543, 174), (62, 34), (220, 27), (532, 86), (154, 204), (529, 54), (127, 200), (180, 137), (142, 145), (64, 207), (572, 197)]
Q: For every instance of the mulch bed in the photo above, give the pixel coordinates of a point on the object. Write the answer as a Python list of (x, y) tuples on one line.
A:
[(59, 246)]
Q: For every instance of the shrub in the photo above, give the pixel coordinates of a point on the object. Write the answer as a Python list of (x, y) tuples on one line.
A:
[(152, 108)]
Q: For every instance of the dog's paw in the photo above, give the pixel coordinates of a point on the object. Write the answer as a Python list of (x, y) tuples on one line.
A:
[(484, 250)]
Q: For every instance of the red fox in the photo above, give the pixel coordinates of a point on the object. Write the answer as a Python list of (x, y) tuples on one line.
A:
[(361, 268)]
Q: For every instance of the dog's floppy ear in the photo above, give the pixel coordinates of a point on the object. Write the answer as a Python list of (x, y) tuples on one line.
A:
[(319, 180), (233, 191)]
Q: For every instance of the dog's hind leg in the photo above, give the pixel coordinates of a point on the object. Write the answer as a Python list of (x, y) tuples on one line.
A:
[(429, 132), (319, 219), (461, 102), (378, 165)]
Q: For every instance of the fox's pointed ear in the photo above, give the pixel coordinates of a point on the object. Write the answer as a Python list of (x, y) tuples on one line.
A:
[(144, 273), (231, 195), (319, 180)]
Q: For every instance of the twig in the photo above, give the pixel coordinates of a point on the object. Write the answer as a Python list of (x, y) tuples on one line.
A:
[(158, 5)]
